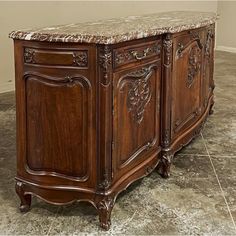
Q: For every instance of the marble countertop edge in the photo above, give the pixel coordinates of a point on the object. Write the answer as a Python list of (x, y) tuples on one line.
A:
[(68, 36)]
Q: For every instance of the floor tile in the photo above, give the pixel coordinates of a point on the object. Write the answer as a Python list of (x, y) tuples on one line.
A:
[(196, 146)]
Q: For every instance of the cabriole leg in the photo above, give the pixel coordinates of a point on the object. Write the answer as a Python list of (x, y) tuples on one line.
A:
[(104, 208), (164, 165), (24, 198)]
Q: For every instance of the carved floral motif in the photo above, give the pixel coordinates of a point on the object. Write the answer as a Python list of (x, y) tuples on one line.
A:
[(105, 61), (29, 55), (80, 59), (139, 93), (167, 45), (194, 64)]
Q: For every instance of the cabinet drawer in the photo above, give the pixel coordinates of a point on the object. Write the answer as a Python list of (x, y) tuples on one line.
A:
[(136, 53), (56, 57)]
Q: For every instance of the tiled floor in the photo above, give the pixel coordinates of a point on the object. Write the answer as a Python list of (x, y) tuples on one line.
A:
[(199, 197)]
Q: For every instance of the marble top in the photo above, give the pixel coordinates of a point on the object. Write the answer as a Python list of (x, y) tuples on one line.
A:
[(120, 29)]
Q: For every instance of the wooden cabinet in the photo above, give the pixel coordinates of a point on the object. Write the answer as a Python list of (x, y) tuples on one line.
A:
[(93, 118)]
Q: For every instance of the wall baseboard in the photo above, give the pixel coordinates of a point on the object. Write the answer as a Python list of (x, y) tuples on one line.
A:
[(226, 49), (6, 87)]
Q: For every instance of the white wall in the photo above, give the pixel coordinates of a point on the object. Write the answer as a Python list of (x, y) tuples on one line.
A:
[(18, 15), (226, 27)]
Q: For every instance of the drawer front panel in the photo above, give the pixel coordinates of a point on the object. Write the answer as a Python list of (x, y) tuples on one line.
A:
[(47, 57), (136, 53)]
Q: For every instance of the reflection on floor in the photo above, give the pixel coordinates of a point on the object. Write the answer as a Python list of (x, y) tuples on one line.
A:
[(198, 198)]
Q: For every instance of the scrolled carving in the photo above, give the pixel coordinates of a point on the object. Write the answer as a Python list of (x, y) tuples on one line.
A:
[(29, 55), (104, 209), (80, 59), (106, 203), (194, 64), (105, 61), (139, 92)]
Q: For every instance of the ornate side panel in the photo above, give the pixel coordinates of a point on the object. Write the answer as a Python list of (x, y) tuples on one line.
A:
[(55, 117), (104, 117), (186, 81), (208, 82), (136, 115)]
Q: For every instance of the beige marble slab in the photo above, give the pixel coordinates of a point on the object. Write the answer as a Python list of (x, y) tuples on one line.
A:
[(119, 30)]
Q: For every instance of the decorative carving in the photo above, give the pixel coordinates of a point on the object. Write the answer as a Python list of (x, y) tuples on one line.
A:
[(126, 56), (166, 138), (167, 46), (194, 64), (165, 163), (105, 61), (29, 55), (139, 93), (179, 51), (104, 209), (106, 182), (80, 59), (209, 38)]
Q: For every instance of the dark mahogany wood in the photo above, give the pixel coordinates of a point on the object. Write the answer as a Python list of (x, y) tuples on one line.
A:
[(92, 119)]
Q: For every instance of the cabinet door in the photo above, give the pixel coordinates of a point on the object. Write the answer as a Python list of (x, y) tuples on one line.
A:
[(208, 83), (186, 81), (136, 115), (59, 126)]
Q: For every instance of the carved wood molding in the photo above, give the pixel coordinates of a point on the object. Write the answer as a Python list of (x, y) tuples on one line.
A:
[(194, 65), (105, 61), (139, 92)]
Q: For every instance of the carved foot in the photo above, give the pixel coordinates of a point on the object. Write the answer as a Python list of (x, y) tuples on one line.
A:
[(25, 198), (164, 165), (104, 208)]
